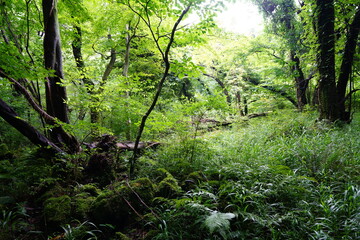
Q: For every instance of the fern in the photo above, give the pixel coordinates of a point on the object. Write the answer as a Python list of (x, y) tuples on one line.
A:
[(219, 222)]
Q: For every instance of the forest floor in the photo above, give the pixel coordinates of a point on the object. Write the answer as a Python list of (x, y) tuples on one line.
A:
[(281, 176)]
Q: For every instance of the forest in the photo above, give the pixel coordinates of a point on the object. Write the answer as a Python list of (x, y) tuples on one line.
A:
[(144, 119)]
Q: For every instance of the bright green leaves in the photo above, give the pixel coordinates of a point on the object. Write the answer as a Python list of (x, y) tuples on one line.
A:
[(219, 222)]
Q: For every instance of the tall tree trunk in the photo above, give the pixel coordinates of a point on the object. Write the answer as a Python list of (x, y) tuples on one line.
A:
[(328, 103), (80, 64), (347, 62), (55, 93), (125, 73)]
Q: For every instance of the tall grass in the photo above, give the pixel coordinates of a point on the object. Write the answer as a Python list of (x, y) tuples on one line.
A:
[(285, 176)]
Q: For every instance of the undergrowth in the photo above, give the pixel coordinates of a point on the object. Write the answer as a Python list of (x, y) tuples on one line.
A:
[(274, 178), (284, 176)]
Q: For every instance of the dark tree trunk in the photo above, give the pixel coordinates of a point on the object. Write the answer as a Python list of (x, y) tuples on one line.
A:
[(246, 107), (346, 65), (10, 116), (55, 93), (222, 85), (301, 84), (80, 64), (328, 102), (238, 100)]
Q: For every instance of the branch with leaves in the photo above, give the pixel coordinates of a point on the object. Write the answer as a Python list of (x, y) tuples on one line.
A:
[(165, 57)]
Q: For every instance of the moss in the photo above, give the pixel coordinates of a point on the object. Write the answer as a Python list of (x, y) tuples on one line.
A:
[(168, 188), (55, 191), (82, 205), (144, 188), (121, 236), (161, 173), (151, 234), (109, 207), (91, 189), (58, 209), (193, 180), (113, 206)]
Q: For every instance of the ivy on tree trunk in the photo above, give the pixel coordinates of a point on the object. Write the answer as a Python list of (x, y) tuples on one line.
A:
[(328, 102)]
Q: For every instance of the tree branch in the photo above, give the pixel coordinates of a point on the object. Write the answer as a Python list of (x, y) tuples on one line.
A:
[(161, 83)]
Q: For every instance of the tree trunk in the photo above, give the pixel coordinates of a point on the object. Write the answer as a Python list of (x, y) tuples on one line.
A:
[(125, 73), (328, 103), (301, 84), (346, 65), (221, 84), (10, 116), (80, 64), (55, 93)]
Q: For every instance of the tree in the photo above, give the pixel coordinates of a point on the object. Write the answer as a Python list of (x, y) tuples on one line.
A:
[(146, 9), (55, 93), (285, 22), (56, 113), (332, 93)]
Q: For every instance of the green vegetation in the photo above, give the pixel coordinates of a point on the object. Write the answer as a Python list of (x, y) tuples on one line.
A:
[(275, 178), (142, 119)]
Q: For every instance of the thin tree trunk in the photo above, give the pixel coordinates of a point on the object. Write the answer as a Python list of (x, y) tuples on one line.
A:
[(165, 56), (94, 113), (80, 64), (125, 72), (222, 85)]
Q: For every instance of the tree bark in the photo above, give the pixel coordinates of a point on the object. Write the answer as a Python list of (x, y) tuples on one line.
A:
[(347, 62), (10, 116), (222, 85), (274, 90), (80, 64), (55, 93), (301, 84), (328, 103)]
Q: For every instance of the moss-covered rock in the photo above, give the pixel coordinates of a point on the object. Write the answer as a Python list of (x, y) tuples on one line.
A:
[(57, 210), (144, 188), (109, 207), (81, 205), (116, 205), (46, 192), (121, 236), (168, 188), (84, 197), (193, 180), (90, 189), (161, 173)]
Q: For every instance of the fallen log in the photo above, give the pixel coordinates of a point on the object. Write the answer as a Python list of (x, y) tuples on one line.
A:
[(128, 145), (107, 142), (254, 115)]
